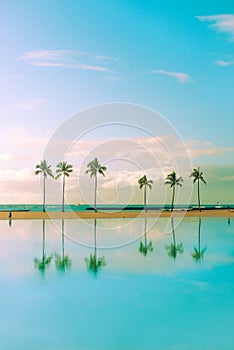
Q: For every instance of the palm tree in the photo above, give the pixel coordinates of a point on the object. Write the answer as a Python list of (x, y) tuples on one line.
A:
[(144, 182), (174, 248), (146, 245), (62, 262), (173, 181), (63, 169), (43, 263), (198, 252), (198, 176), (44, 169), (94, 263), (95, 168)]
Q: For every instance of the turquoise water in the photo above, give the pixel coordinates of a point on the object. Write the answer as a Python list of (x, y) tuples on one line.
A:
[(73, 207), (148, 291)]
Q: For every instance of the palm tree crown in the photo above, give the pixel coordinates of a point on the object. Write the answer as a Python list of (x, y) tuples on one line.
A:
[(173, 181), (143, 181), (94, 167), (197, 175), (63, 168), (44, 168)]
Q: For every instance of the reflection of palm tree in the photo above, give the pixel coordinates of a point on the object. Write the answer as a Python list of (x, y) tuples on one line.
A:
[(174, 248), (63, 169), (145, 246), (45, 169), (43, 263), (198, 176), (95, 168), (198, 252), (94, 263), (62, 262), (173, 181), (144, 182)]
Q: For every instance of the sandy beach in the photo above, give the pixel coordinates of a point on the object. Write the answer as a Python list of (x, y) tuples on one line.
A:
[(27, 215)]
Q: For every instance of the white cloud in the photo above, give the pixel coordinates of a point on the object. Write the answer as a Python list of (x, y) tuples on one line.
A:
[(227, 178), (67, 59), (29, 106), (147, 151), (126, 161), (181, 77), (223, 23), (125, 178), (19, 186), (6, 156), (205, 148), (12, 175), (90, 67), (23, 144), (29, 137), (222, 63)]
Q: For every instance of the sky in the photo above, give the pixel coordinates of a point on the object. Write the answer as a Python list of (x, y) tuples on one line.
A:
[(172, 57)]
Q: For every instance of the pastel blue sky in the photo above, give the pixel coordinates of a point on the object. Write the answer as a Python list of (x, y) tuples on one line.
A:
[(175, 57)]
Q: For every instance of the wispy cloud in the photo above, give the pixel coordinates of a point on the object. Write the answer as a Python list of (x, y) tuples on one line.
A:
[(19, 186), (23, 145), (227, 178), (181, 77), (68, 59), (6, 156), (144, 150), (198, 149), (223, 63), (223, 23), (126, 161), (29, 106)]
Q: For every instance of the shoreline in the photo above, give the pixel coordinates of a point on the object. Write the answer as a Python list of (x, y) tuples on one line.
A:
[(28, 215)]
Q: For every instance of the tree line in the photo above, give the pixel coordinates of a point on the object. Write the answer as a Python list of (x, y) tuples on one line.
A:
[(94, 168)]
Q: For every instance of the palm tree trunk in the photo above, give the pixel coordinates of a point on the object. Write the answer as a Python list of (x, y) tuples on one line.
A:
[(95, 238), (173, 198), (95, 193), (199, 236), (63, 192), (145, 198), (63, 240), (198, 195), (44, 184), (173, 237), (145, 233), (43, 241)]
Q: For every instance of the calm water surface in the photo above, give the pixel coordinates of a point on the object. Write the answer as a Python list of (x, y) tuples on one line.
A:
[(117, 284)]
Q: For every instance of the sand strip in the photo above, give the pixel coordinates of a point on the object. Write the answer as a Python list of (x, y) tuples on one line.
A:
[(115, 215)]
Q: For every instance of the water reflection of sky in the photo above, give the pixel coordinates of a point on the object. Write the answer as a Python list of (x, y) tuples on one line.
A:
[(133, 302), (22, 242)]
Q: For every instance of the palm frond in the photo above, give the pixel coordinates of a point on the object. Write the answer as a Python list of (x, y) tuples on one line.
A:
[(197, 175), (143, 181), (45, 168), (95, 167)]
